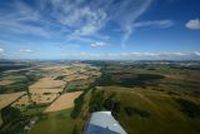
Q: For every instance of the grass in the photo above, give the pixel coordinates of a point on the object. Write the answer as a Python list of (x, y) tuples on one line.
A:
[(54, 123), (1, 121), (144, 111), (163, 111), (33, 111)]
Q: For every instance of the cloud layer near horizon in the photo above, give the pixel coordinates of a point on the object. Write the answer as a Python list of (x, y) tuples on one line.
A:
[(137, 56)]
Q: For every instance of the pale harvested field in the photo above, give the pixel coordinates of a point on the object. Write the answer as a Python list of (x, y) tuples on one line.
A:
[(47, 83), (70, 78), (76, 77), (53, 67), (6, 99), (24, 100), (42, 99), (46, 90), (42, 91), (82, 77), (63, 102), (68, 72), (6, 82)]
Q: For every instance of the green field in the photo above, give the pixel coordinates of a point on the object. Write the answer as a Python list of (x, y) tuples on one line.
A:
[(54, 123), (1, 121), (144, 111), (145, 99), (21, 81)]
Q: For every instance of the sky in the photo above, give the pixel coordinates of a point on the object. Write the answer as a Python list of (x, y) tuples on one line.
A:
[(100, 29)]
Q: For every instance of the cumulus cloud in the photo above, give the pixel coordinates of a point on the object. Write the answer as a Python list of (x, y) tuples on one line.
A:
[(25, 50), (98, 44), (193, 24)]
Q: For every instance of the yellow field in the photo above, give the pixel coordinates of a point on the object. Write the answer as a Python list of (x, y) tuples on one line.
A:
[(63, 102), (53, 67), (42, 99), (42, 91), (47, 83), (46, 90), (23, 101), (7, 99)]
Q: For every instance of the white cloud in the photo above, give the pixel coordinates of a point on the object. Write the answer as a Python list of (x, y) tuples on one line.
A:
[(16, 22), (156, 23), (25, 50), (138, 55), (72, 18), (126, 18), (94, 21), (98, 44), (76, 20), (193, 24), (1, 50)]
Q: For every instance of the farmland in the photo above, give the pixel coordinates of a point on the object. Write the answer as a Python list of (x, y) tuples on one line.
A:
[(145, 97), (43, 88), (6, 82), (65, 101), (7, 99), (46, 90), (52, 123)]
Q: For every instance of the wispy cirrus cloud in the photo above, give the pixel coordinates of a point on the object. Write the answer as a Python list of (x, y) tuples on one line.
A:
[(156, 23), (75, 20), (147, 24), (129, 12)]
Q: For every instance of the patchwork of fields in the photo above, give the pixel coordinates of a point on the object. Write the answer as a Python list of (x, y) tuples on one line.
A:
[(59, 98), (144, 99), (44, 89), (7, 99)]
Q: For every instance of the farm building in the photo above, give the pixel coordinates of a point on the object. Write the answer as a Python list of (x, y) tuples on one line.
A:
[(103, 123)]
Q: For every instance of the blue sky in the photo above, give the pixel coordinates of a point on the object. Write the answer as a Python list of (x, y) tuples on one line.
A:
[(100, 29)]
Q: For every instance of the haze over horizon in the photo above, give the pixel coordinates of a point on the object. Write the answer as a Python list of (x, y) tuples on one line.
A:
[(100, 29)]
